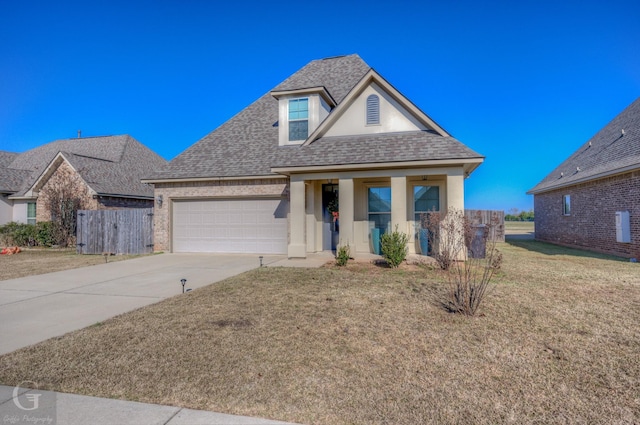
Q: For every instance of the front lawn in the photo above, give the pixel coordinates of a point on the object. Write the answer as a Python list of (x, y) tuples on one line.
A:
[(557, 341), (34, 261)]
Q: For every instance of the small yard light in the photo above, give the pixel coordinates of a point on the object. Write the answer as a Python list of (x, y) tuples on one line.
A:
[(184, 282), (260, 257)]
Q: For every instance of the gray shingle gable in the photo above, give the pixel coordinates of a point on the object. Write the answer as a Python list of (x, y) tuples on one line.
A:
[(110, 165), (375, 148), (247, 144), (607, 152)]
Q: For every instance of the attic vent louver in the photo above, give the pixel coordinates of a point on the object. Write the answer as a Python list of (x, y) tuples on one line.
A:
[(373, 109)]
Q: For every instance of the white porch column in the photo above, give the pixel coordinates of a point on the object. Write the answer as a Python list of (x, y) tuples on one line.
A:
[(455, 189), (297, 245), (455, 198), (399, 204), (311, 215), (345, 199)]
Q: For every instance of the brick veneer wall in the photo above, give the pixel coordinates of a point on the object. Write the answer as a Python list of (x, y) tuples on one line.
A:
[(205, 190), (115, 203), (592, 223), (67, 176)]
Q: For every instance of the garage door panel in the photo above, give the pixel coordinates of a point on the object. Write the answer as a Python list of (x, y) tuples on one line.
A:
[(234, 226)]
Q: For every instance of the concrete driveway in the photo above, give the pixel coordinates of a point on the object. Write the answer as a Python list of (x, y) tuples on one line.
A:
[(36, 308)]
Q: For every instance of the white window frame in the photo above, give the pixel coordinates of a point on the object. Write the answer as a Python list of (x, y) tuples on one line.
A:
[(289, 120), (32, 219), (413, 200)]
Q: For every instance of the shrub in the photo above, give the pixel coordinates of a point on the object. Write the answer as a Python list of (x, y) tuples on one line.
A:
[(343, 255), (44, 233), (468, 278), (18, 234), (394, 247)]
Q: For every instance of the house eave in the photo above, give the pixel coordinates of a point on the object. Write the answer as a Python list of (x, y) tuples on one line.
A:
[(321, 90), (469, 166), (585, 179), (210, 179)]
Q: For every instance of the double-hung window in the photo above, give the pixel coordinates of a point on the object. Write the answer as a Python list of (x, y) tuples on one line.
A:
[(31, 213), (380, 208), (426, 199), (298, 119)]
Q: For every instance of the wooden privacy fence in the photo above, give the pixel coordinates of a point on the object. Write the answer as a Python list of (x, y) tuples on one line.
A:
[(127, 231), (492, 218)]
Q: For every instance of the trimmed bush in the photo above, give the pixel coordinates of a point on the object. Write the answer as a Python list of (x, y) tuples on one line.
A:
[(394, 247), (343, 255)]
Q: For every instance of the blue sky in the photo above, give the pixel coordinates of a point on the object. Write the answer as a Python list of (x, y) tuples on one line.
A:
[(523, 83)]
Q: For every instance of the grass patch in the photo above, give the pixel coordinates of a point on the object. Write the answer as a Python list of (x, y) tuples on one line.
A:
[(557, 341), (518, 227), (39, 261)]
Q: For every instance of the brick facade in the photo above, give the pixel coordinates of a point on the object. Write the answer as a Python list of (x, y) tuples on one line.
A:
[(592, 222), (65, 178), (207, 189)]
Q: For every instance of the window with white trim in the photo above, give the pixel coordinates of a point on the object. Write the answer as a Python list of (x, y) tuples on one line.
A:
[(31, 213), (426, 199), (298, 119), (373, 109), (379, 208), (566, 205)]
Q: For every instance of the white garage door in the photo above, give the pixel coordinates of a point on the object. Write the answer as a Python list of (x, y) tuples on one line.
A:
[(236, 226)]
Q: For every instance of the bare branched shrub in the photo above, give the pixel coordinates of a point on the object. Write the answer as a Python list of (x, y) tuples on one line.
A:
[(468, 255), (62, 197)]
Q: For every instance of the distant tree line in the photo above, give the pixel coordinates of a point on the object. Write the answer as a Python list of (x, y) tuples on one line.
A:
[(515, 215)]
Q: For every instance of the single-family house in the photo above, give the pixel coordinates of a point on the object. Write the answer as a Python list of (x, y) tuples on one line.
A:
[(332, 155), (592, 199), (105, 172)]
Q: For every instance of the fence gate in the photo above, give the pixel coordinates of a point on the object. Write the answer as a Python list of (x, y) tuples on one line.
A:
[(494, 219), (127, 231)]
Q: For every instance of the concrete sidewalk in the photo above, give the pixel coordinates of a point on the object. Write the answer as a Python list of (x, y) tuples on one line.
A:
[(70, 409), (36, 308)]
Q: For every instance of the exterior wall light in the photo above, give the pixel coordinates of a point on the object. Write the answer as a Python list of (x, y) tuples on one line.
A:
[(159, 200)]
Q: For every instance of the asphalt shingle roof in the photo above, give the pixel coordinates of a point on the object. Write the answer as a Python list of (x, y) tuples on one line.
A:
[(374, 148), (605, 153), (110, 165), (247, 144)]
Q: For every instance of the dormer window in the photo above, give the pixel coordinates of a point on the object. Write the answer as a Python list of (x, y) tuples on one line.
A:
[(373, 109), (298, 119)]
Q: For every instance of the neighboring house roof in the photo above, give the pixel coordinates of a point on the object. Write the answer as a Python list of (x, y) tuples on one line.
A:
[(247, 145), (110, 165), (607, 153)]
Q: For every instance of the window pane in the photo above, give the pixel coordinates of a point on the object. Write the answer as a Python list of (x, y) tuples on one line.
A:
[(379, 199), (380, 221), (298, 130), (298, 109), (426, 198)]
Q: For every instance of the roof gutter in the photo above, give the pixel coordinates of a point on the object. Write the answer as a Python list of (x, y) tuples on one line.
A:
[(598, 176), (211, 179), (472, 164)]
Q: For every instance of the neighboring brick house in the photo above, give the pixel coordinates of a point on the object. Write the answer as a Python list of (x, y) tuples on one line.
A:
[(332, 155), (104, 172), (592, 200)]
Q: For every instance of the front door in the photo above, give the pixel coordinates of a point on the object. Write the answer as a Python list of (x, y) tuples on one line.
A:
[(330, 217)]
